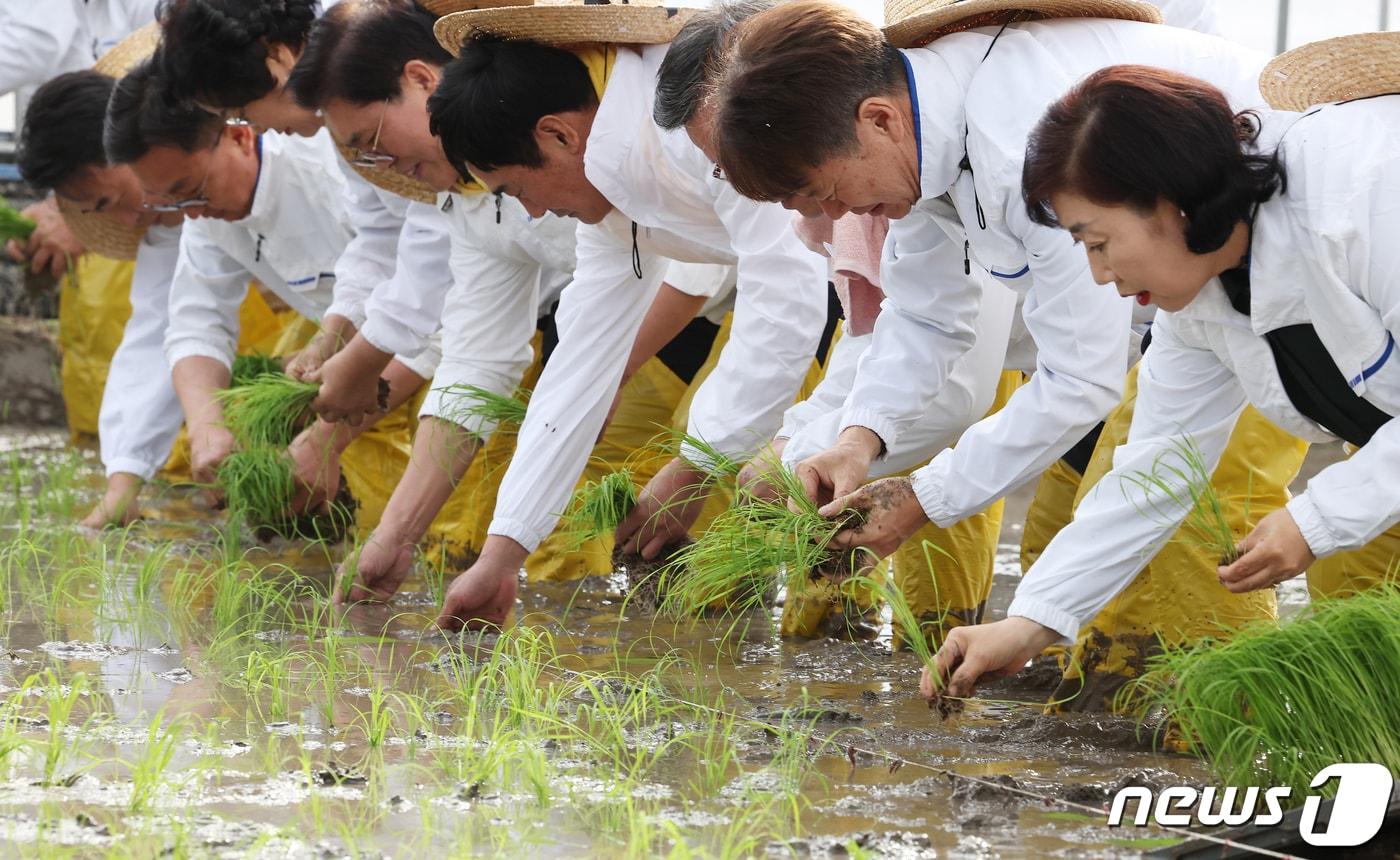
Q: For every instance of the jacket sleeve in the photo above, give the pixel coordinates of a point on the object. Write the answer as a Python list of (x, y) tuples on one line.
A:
[(205, 294), (402, 314), (35, 39), (488, 319), (1184, 394), (779, 313), (830, 393), (377, 218), (1081, 331), (598, 318), (140, 413), (927, 322)]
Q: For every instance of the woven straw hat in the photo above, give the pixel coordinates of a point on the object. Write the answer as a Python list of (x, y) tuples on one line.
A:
[(447, 7), (389, 179), (101, 233), (561, 22), (1333, 70), (912, 23)]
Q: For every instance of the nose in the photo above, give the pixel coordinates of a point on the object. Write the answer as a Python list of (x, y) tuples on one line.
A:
[(833, 209), (535, 210), (802, 205), (1101, 272)]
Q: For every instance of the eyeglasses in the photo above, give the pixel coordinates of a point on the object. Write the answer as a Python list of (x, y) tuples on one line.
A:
[(372, 158), (198, 200)]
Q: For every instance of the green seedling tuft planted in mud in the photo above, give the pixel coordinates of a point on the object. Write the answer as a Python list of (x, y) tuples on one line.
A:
[(148, 770), (268, 410), (1181, 481), (1262, 707), (258, 485), (465, 403)]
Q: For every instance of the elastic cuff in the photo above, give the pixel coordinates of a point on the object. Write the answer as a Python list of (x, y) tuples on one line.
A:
[(928, 488), (1047, 614), (131, 466), (424, 364), (180, 350), (874, 422), (392, 338), (352, 311), (1311, 524), (517, 531)]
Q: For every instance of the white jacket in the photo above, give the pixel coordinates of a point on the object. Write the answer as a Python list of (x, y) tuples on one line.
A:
[(291, 241), (1324, 253), (986, 109), (41, 39), (661, 183), (140, 414)]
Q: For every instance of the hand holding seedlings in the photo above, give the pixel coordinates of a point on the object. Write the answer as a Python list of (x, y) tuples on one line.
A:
[(892, 514), (666, 509), (983, 651), (346, 391), (839, 470), (484, 594), (375, 572), (49, 244), (1274, 551)]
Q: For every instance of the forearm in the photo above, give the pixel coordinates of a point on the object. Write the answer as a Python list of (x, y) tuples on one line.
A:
[(670, 312), (442, 452), (197, 379)]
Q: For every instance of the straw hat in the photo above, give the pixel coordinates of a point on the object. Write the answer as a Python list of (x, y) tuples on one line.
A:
[(447, 7), (1333, 70), (912, 23), (389, 179), (567, 22), (101, 233)]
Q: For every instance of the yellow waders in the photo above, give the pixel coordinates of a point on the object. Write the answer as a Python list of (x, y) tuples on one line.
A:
[(1178, 597)]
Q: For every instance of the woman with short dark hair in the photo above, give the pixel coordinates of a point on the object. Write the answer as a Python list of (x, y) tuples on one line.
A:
[(1268, 241)]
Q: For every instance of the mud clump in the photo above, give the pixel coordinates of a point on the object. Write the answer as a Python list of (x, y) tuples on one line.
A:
[(646, 578)]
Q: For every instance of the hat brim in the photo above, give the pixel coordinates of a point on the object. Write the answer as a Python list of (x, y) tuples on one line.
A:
[(920, 28), (388, 179), (1333, 70), (447, 7), (566, 25), (130, 52), (99, 233)]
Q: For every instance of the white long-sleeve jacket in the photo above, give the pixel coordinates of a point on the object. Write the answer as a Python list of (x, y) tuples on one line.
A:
[(662, 185), (140, 413), (1323, 253), (41, 39), (984, 109), (291, 241)]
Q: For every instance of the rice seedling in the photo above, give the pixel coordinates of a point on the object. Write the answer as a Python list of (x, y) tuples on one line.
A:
[(268, 410), (13, 225), (713, 460), (1178, 485), (1262, 708), (268, 679), (257, 484), (148, 769), (748, 547), (60, 702), (465, 403), (600, 506), (247, 368)]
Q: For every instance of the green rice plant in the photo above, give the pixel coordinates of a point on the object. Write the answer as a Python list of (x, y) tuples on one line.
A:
[(463, 403), (600, 506), (148, 769), (258, 485), (1179, 482), (268, 410), (60, 702), (247, 368), (717, 463), (748, 547), (13, 225), (268, 678), (1263, 707)]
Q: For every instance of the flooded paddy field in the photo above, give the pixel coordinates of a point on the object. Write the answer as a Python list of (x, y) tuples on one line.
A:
[(165, 692)]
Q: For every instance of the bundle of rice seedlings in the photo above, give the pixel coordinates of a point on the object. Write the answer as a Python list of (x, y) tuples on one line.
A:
[(13, 225), (753, 544), (246, 368), (466, 402), (1277, 703), (258, 488), (1179, 480), (599, 507), (268, 410)]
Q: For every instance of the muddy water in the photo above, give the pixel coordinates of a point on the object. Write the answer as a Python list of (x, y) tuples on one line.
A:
[(291, 765)]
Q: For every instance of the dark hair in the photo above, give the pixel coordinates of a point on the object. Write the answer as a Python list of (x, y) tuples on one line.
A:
[(486, 106), (682, 81), (789, 91), (62, 130), (357, 52), (141, 114), (215, 51), (1134, 135)]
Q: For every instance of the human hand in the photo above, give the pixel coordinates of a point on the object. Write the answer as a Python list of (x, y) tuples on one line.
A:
[(666, 509), (1273, 552)]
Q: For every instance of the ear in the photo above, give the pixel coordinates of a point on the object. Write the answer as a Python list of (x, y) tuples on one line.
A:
[(280, 60), (553, 133), (882, 116), (242, 136), (421, 76)]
